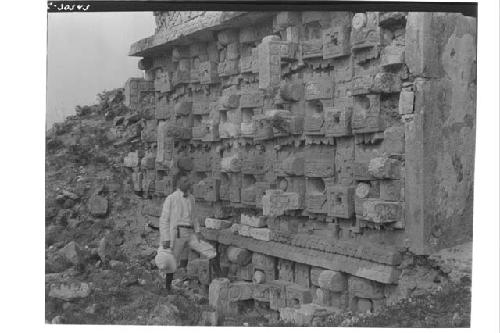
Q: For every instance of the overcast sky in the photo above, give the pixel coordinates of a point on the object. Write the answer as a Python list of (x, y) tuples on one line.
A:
[(87, 53)]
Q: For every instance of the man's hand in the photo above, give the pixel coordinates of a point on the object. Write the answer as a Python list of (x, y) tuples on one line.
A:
[(165, 244)]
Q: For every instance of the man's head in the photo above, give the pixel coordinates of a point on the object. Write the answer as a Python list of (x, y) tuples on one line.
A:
[(184, 184)]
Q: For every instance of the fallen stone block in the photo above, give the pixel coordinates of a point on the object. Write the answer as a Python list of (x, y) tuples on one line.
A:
[(70, 291), (263, 234), (72, 253), (217, 224), (253, 221), (98, 205)]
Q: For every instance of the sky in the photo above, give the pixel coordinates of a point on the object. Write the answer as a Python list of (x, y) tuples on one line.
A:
[(88, 53)]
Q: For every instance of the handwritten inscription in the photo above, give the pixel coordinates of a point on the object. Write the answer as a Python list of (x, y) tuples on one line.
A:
[(62, 7)]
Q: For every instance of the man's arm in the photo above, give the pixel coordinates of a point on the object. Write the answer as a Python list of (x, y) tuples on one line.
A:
[(164, 224)]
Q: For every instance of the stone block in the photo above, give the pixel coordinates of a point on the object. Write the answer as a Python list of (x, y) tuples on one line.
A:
[(162, 81), (332, 280), (391, 190), (336, 42), (379, 211), (263, 262), (244, 230), (263, 129), (247, 129), (263, 234), (148, 134), (181, 77), (315, 273), (180, 52), (240, 291), (98, 205), (233, 51), (312, 49), (277, 294), (269, 63), (246, 272), (247, 196), (340, 201), (253, 221), (212, 223), (364, 288), (238, 255), (384, 168), (394, 140), (392, 55), (319, 161), (292, 91), (261, 292), (218, 297), (229, 101), (302, 275), (297, 295), (231, 163), (365, 31), (286, 19), (337, 121), (210, 318), (228, 36), (319, 87), (131, 160), (293, 165), (253, 100), (286, 270), (228, 68), (200, 268), (208, 72), (366, 117), (276, 202), (364, 305), (178, 132), (406, 99), (137, 181)]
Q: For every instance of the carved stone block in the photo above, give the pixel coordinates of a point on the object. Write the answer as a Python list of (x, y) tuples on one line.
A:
[(336, 42), (365, 31), (297, 295), (292, 91), (276, 202), (392, 55), (263, 262), (286, 270), (319, 87), (338, 121), (391, 190), (208, 72), (384, 168), (379, 211), (406, 99), (312, 49), (340, 201), (366, 116), (319, 161), (228, 68), (231, 163), (302, 275), (254, 100)]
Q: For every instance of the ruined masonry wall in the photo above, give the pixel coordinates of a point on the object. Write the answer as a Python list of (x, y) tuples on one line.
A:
[(296, 131)]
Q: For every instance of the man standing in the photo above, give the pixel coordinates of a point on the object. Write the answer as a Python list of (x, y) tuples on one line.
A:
[(178, 230)]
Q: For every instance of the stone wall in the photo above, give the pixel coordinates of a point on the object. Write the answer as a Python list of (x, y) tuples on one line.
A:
[(322, 145)]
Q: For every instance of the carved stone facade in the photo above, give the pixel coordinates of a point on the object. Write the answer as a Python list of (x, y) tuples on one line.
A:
[(325, 144)]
